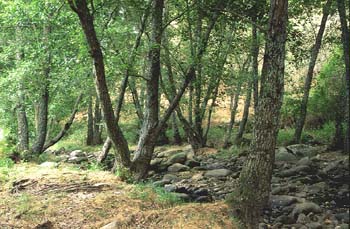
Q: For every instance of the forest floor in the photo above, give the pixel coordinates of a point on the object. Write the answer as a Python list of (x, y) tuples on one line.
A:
[(60, 196)]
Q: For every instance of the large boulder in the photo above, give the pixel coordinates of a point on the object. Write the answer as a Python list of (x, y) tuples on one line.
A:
[(305, 208), (177, 158)]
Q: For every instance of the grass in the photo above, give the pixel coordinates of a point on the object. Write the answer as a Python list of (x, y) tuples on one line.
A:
[(150, 193)]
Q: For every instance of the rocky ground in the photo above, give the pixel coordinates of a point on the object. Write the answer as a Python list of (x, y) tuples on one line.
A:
[(310, 186)]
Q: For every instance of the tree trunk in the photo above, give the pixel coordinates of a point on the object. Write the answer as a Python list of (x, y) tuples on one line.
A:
[(66, 126), (244, 120), (346, 48), (90, 124), (307, 86), (148, 136), (255, 64), (233, 111), (176, 131), (253, 190), (97, 138), (22, 124), (338, 138), (114, 132)]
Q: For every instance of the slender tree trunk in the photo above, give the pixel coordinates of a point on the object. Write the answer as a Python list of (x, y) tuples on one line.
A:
[(97, 139), (346, 48), (190, 104), (90, 124), (148, 137), (44, 98), (244, 120), (176, 131), (307, 86), (22, 123), (233, 111), (253, 191), (66, 126), (255, 64), (114, 132), (338, 138)]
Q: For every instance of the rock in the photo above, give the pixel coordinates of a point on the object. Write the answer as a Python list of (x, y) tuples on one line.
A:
[(160, 183), (305, 208), (302, 150), (63, 157), (177, 167), (112, 225), (169, 153), (77, 153), (46, 225), (316, 188), (314, 225), (155, 162), (305, 161), (197, 177), (295, 170), (201, 192), (49, 164), (282, 154), (217, 173), (170, 177), (263, 226), (277, 201), (284, 219), (342, 217), (170, 187), (342, 226), (303, 219), (77, 159), (177, 158), (203, 199), (192, 163)]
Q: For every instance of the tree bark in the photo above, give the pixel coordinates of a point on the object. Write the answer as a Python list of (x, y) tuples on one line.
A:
[(97, 138), (255, 64), (176, 131), (148, 137), (253, 190), (346, 49), (233, 111), (307, 85), (90, 124), (44, 98), (114, 132), (244, 120), (22, 124)]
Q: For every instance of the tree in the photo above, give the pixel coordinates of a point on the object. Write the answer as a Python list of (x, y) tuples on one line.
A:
[(255, 179), (346, 49), (314, 53)]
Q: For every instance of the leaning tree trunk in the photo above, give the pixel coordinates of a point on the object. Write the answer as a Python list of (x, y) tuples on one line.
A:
[(114, 132), (176, 131), (253, 191), (346, 48), (90, 124), (307, 86)]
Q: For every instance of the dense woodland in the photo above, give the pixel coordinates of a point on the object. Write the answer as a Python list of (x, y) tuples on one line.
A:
[(114, 85)]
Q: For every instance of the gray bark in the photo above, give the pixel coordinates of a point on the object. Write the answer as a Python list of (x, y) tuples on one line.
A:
[(307, 85), (346, 49), (253, 191), (90, 124)]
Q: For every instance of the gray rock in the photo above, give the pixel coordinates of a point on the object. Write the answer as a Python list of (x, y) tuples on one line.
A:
[(277, 201), (177, 167), (305, 208), (49, 164), (156, 162), (192, 163), (169, 187), (295, 170), (217, 173), (314, 225), (304, 161), (77, 153), (169, 153), (342, 226), (177, 158), (303, 219), (182, 196), (77, 159), (302, 150), (282, 154), (170, 177)]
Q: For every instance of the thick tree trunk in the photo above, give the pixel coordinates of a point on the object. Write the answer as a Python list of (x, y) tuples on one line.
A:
[(307, 85), (66, 126), (244, 120), (255, 179), (255, 64), (97, 139), (90, 124), (114, 132), (346, 48), (233, 111)]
